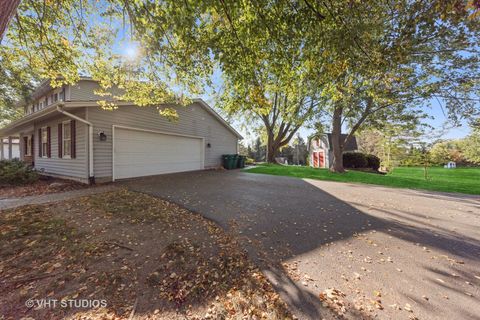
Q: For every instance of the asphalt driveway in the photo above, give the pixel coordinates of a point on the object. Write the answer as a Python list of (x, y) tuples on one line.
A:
[(389, 253)]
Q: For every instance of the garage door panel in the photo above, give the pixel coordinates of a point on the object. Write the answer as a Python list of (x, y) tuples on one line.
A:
[(140, 153)]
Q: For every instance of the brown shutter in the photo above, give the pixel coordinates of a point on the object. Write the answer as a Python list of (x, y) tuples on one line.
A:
[(49, 145), (73, 139), (25, 145), (32, 146), (40, 142), (60, 140)]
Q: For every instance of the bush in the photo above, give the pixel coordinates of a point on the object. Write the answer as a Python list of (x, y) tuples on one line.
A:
[(15, 172), (354, 160), (373, 161), (249, 161)]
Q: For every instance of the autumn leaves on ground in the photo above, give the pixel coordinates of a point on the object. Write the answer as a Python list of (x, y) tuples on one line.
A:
[(145, 257)]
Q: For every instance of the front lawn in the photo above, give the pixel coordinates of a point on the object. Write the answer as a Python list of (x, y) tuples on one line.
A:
[(462, 180)]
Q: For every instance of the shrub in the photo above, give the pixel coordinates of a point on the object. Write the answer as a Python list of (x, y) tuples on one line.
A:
[(15, 172), (354, 160), (249, 161), (373, 161)]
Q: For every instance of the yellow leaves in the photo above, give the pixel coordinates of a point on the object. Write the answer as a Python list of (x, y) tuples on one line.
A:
[(169, 113), (107, 105), (65, 42)]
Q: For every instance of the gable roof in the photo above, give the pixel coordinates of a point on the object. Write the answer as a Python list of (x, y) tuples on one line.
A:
[(44, 87), (327, 138), (350, 146), (217, 116), (76, 104)]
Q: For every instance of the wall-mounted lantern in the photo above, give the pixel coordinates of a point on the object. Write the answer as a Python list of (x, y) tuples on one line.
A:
[(209, 145), (102, 136)]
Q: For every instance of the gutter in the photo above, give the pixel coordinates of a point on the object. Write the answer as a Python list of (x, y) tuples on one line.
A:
[(91, 176)]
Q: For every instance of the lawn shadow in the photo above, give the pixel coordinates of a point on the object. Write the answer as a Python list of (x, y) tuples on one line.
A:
[(281, 218)]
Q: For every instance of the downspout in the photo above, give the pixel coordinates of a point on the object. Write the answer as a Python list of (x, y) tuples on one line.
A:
[(91, 176)]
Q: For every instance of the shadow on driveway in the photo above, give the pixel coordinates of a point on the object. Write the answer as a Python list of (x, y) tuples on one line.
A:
[(283, 220)]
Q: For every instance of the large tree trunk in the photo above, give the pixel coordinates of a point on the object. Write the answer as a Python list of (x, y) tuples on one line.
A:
[(272, 152), (270, 157), (337, 141), (273, 148)]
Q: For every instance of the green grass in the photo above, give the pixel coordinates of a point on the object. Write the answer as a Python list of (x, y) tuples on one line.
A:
[(461, 180)]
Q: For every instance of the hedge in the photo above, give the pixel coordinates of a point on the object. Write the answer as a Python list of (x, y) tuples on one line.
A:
[(360, 160), (16, 172)]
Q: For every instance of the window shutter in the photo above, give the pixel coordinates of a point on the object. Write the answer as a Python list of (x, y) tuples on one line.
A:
[(40, 142), (32, 146), (25, 145), (73, 139), (60, 140), (49, 145)]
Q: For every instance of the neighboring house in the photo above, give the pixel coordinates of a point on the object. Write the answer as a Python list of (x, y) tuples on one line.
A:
[(321, 150), (15, 145), (65, 133), (450, 165)]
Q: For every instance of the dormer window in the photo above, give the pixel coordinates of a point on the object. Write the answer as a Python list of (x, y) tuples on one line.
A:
[(62, 95)]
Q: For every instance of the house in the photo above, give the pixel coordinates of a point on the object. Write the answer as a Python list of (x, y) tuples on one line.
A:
[(321, 149), (450, 165), (65, 133)]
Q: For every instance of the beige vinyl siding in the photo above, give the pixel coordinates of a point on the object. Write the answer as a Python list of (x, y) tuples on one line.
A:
[(76, 168), (193, 120), (84, 90)]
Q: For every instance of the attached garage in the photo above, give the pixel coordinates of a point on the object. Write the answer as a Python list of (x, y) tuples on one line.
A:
[(124, 142), (138, 152)]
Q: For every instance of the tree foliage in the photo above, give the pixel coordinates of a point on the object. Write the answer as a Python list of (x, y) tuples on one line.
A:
[(471, 147), (283, 63)]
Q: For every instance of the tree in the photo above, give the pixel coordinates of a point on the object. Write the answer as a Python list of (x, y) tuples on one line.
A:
[(283, 62), (300, 151), (445, 151), (390, 141), (471, 147), (258, 150), (60, 40), (397, 57)]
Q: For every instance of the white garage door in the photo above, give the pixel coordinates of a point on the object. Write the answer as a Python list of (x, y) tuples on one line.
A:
[(142, 153)]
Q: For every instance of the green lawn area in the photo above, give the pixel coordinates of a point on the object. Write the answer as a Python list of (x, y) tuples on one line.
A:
[(462, 180)]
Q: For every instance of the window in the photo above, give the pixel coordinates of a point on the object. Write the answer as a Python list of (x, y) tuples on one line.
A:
[(44, 142), (62, 95), (66, 139), (55, 97)]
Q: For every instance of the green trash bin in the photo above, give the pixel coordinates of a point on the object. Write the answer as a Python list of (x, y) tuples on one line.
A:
[(229, 161), (241, 161), (235, 161)]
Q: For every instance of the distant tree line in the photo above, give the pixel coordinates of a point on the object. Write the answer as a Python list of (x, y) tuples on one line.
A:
[(403, 149)]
